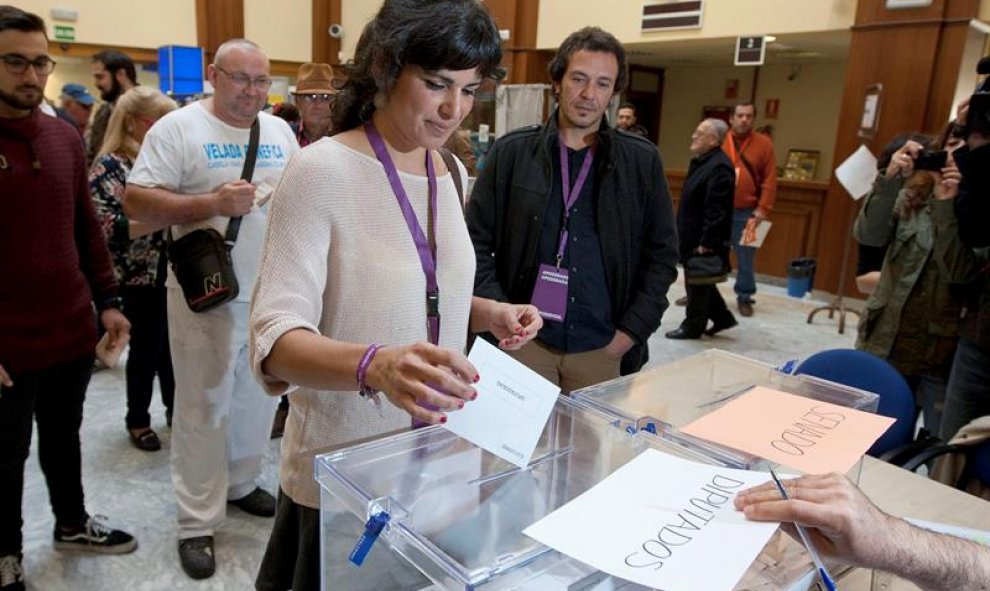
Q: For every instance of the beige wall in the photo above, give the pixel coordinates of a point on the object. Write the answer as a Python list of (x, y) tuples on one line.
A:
[(283, 29), (722, 18), (809, 107), (128, 23), (354, 15)]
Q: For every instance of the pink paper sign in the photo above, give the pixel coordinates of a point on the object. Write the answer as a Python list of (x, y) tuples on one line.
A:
[(802, 433)]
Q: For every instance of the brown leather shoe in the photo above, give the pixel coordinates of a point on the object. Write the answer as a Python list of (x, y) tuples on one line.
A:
[(745, 309)]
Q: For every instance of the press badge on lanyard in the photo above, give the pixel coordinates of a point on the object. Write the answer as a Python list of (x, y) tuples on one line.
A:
[(426, 243), (550, 291)]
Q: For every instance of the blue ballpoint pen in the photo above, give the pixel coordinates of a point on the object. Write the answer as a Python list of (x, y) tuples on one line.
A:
[(822, 572)]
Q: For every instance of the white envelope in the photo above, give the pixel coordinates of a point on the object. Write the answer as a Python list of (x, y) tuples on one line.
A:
[(512, 408)]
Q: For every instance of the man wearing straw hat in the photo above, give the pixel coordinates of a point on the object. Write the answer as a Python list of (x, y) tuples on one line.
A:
[(314, 95)]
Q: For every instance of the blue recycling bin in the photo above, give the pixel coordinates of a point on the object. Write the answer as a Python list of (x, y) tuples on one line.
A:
[(800, 276)]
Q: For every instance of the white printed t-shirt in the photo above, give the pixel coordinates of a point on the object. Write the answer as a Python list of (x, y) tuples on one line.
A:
[(190, 151)]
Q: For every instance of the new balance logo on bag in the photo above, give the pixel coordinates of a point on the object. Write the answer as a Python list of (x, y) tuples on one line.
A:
[(213, 284)]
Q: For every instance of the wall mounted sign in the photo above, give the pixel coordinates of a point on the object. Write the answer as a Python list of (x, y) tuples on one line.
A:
[(772, 108), (871, 111), (65, 33), (896, 4), (751, 51), (672, 14)]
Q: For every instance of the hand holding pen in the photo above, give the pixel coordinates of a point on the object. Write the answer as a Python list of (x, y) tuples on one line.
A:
[(838, 520), (844, 525), (806, 540)]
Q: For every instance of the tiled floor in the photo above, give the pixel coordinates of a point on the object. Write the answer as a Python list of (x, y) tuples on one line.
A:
[(134, 489)]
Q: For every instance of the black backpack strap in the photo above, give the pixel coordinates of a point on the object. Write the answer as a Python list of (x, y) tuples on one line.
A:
[(455, 171), (234, 226), (752, 173)]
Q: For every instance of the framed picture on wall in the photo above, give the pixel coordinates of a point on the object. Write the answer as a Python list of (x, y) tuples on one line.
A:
[(801, 165)]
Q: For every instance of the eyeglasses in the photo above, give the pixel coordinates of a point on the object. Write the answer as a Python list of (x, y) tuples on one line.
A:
[(323, 98), (243, 80), (18, 64)]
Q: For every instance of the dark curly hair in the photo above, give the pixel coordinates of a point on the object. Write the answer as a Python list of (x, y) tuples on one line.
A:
[(589, 39), (431, 34)]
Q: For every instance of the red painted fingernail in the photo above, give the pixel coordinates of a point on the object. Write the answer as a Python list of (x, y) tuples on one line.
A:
[(460, 404), (477, 378), (443, 419), (474, 395)]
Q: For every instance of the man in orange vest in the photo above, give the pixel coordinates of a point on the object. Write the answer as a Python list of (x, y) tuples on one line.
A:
[(756, 189)]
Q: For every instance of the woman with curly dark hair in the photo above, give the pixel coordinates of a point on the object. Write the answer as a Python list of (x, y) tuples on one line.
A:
[(367, 247)]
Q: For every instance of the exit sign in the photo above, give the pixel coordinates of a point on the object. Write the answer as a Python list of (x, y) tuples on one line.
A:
[(65, 33)]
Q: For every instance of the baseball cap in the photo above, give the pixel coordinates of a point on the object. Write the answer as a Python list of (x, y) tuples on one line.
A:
[(78, 93)]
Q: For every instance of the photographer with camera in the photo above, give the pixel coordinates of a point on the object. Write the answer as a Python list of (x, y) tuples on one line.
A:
[(963, 219), (911, 318)]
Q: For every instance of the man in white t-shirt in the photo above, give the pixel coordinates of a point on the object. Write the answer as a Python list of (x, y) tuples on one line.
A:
[(187, 176)]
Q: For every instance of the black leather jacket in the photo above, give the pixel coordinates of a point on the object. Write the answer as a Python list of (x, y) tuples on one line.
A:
[(635, 221)]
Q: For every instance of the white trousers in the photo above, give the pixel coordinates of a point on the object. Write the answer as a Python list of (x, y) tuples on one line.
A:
[(222, 420)]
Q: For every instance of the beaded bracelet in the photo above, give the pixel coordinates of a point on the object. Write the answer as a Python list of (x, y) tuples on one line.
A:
[(362, 370)]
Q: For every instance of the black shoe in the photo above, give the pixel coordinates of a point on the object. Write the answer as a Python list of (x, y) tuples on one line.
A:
[(168, 418), (94, 536), (683, 334), (11, 573), (745, 309), (146, 440), (257, 502), (196, 557), (721, 325)]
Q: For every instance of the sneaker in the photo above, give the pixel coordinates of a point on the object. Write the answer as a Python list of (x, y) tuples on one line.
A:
[(257, 502), (95, 536), (196, 557), (11, 573)]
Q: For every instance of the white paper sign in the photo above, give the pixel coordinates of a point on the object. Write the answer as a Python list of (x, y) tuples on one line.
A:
[(857, 173), (663, 522), (512, 408)]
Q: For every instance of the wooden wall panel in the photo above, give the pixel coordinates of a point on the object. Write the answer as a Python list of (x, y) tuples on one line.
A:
[(326, 49), (216, 22)]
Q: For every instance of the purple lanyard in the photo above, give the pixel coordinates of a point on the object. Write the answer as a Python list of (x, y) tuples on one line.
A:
[(570, 195), (427, 249)]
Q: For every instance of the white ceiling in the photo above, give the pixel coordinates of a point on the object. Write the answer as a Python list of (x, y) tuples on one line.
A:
[(830, 46)]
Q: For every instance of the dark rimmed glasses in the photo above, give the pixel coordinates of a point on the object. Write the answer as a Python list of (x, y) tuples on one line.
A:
[(18, 64)]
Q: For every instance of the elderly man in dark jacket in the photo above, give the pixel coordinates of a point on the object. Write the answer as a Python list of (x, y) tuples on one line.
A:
[(704, 224), (576, 218)]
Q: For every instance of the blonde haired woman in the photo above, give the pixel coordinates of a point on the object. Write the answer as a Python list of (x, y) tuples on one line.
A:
[(138, 254)]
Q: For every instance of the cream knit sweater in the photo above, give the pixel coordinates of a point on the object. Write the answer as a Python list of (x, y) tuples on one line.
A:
[(338, 259)]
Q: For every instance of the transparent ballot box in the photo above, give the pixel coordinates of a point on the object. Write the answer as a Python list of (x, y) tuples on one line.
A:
[(667, 397), (456, 512)]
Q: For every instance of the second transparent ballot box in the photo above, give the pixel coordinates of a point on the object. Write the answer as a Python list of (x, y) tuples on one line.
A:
[(455, 512)]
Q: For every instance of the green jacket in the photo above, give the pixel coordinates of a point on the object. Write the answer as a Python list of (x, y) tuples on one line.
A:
[(965, 268), (912, 318)]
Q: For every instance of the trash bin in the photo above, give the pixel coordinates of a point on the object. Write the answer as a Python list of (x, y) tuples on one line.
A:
[(800, 276)]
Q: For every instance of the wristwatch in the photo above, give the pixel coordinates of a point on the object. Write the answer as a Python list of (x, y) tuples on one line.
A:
[(114, 302)]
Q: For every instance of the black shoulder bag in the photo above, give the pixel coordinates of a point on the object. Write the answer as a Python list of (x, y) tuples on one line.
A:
[(201, 259)]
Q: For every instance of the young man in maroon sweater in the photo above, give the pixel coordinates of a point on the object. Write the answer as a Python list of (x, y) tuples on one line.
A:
[(54, 264)]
